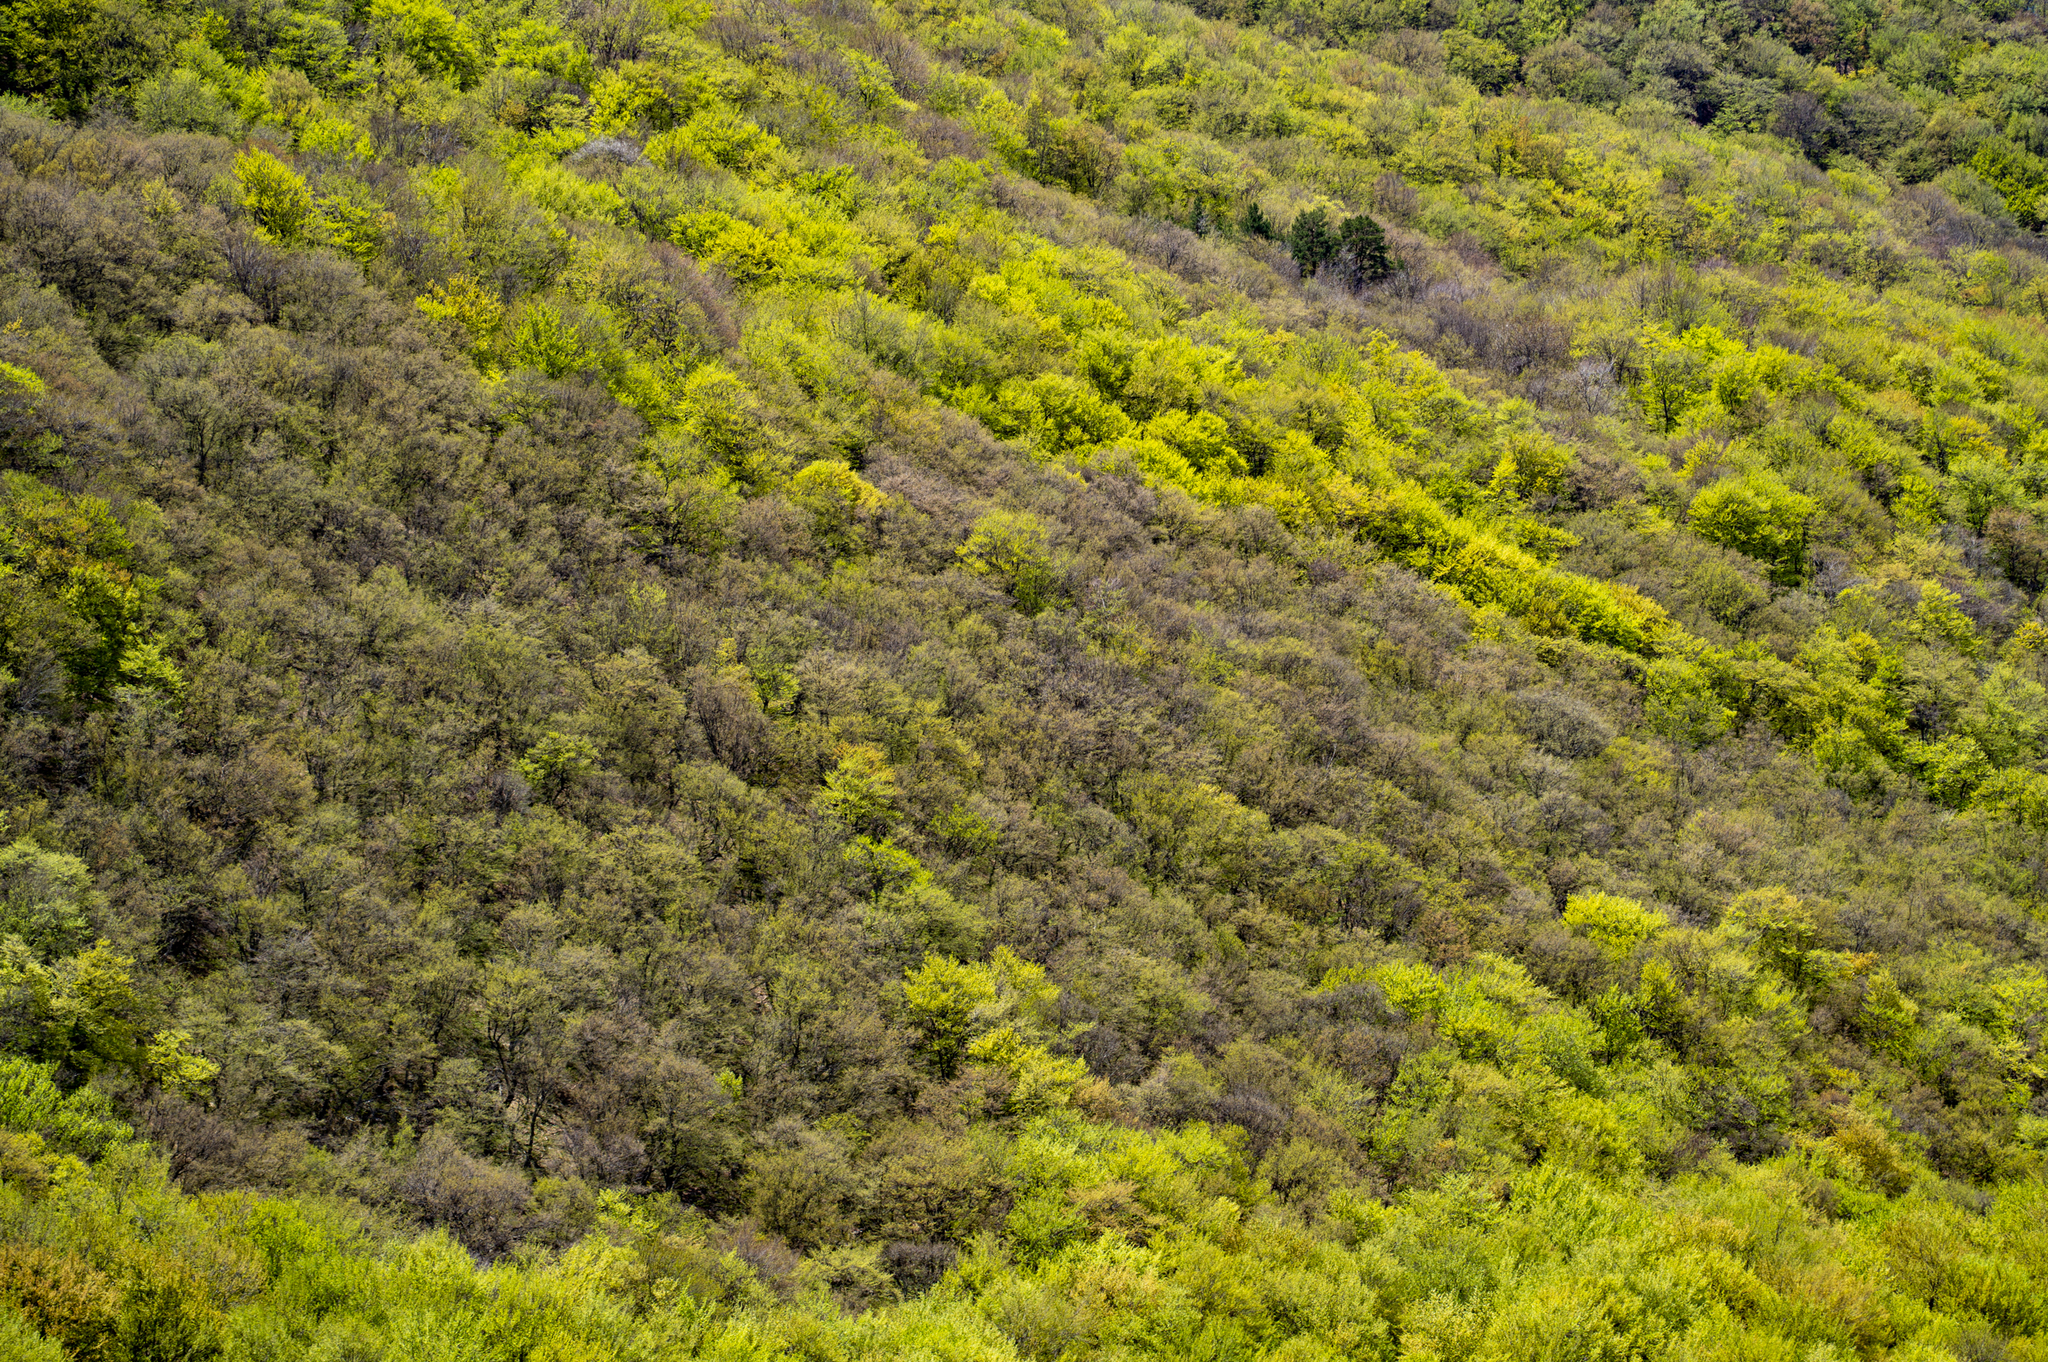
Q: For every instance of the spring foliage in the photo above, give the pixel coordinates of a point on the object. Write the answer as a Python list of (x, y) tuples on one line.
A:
[(1290, 680)]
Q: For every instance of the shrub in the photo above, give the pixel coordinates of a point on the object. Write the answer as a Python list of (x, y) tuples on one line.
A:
[(1758, 515)]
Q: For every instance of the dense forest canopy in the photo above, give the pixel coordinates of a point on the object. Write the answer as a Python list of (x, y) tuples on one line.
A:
[(1305, 679)]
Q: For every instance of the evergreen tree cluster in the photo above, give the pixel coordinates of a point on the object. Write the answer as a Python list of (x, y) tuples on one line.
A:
[(1356, 248)]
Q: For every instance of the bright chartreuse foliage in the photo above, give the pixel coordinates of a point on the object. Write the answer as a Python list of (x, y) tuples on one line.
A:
[(839, 678), (1119, 1242)]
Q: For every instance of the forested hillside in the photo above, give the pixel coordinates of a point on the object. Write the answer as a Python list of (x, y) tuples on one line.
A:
[(1307, 679)]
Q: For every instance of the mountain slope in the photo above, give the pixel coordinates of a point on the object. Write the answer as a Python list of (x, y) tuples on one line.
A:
[(1102, 680)]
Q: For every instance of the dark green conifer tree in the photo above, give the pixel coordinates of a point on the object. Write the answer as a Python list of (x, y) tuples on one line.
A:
[(1362, 251), (1311, 241)]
